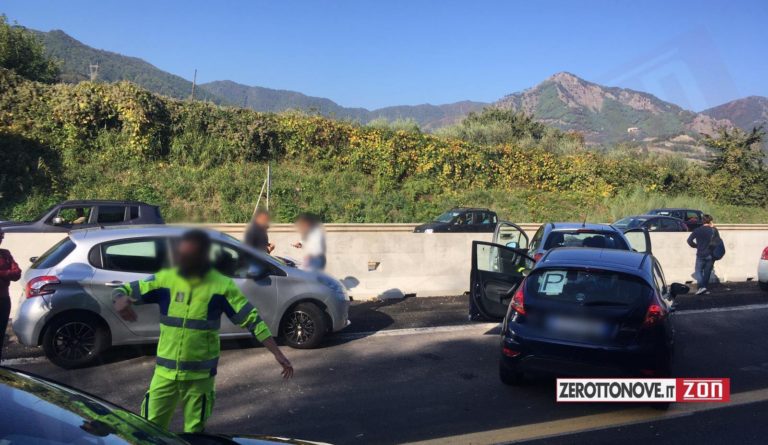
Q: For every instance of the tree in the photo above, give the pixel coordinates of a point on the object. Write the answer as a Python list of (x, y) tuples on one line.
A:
[(495, 126), (737, 167), (22, 52)]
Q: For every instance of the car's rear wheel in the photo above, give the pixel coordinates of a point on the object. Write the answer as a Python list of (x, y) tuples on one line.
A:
[(75, 340), (509, 374), (304, 326)]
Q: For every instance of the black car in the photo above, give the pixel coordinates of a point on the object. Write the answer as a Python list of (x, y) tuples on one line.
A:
[(652, 223), (461, 219), (34, 410), (691, 217), (586, 312), (70, 215)]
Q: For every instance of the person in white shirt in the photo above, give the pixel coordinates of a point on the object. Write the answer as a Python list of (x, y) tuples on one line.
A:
[(312, 241)]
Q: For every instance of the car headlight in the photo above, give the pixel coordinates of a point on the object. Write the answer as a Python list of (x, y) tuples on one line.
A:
[(429, 230)]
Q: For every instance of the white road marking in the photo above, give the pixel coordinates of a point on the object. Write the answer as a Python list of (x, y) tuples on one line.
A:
[(748, 307), (424, 330)]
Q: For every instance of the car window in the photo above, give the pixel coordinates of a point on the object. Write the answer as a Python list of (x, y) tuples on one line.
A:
[(138, 255), (582, 238), (536, 240), (670, 225), (111, 214), (692, 216), (134, 212), (233, 262), (629, 223), (54, 255), (587, 287), (653, 224), (72, 215), (447, 217)]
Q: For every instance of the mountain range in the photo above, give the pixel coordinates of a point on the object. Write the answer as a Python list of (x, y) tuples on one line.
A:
[(604, 115)]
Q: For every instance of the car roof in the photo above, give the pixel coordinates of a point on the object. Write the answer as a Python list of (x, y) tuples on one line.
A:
[(102, 202), (626, 261), (108, 233), (648, 216), (585, 226), (673, 208), (464, 209)]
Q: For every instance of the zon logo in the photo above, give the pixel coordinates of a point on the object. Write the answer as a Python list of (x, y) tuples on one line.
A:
[(703, 390)]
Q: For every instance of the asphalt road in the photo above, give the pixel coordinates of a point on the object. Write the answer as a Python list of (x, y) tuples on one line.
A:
[(416, 370)]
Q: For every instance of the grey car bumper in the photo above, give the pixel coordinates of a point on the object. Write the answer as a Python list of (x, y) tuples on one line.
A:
[(31, 318)]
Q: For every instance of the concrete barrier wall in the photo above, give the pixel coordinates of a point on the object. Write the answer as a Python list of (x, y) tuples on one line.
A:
[(380, 260)]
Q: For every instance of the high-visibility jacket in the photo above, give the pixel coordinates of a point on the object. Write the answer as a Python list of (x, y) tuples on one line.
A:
[(190, 317)]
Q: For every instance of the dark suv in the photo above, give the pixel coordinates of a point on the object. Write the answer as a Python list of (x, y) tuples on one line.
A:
[(70, 215), (461, 219), (691, 217)]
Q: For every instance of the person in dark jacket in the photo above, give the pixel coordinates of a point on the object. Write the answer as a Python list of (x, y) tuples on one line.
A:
[(9, 271), (701, 240), (256, 235)]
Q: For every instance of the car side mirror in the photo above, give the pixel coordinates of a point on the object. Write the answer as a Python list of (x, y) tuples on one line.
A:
[(676, 289), (32, 259), (57, 221), (258, 273)]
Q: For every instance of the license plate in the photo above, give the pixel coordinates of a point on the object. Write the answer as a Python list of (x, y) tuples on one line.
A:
[(577, 326)]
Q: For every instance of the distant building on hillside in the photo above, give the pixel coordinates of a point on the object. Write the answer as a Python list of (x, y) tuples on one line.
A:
[(633, 131)]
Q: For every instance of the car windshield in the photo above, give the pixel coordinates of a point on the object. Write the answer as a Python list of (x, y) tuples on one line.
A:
[(69, 416), (587, 287), (630, 222), (585, 238), (447, 217), (54, 255)]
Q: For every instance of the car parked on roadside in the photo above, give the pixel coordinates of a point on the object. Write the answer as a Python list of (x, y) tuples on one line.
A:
[(35, 410), (762, 270), (588, 312), (652, 223), (461, 219), (490, 302), (70, 215), (691, 217), (68, 306)]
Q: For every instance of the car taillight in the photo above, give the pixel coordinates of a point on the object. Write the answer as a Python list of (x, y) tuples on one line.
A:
[(538, 256), (41, 285), (518, 300), (765, 254), (653, 315)]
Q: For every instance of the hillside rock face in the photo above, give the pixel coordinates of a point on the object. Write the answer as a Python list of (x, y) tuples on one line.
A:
[(745, 113), (607, 114)]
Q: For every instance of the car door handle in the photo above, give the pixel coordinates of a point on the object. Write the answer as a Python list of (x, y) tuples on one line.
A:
[(113, 283)]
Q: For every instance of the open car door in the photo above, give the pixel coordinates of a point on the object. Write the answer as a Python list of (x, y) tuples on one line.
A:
[(496, 272), (639, 240), (510, 235)]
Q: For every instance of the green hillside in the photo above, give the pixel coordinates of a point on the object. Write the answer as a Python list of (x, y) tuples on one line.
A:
[(76, 57), (202, 162)]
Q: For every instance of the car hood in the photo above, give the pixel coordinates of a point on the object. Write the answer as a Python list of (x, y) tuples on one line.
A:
[(429, 225), (243, 439)]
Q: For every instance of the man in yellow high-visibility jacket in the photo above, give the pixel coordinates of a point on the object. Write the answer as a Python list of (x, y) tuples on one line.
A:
[(191, 298)]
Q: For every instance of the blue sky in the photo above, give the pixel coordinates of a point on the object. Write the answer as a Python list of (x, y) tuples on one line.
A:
[(378, 53)]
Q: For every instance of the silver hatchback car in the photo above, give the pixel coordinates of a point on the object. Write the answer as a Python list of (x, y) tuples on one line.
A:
[(68, 306)]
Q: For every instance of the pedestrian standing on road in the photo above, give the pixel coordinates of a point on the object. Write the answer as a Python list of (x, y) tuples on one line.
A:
[(701, 240), (9, 271), (256, 235), (191, 300), (312, 241)]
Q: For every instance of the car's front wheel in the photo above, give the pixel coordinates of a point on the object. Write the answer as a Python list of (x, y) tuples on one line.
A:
[(75, 340), (304, 326)]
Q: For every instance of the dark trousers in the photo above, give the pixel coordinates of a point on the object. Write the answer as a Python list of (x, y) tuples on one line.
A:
[(703, 271), (5, 312)]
